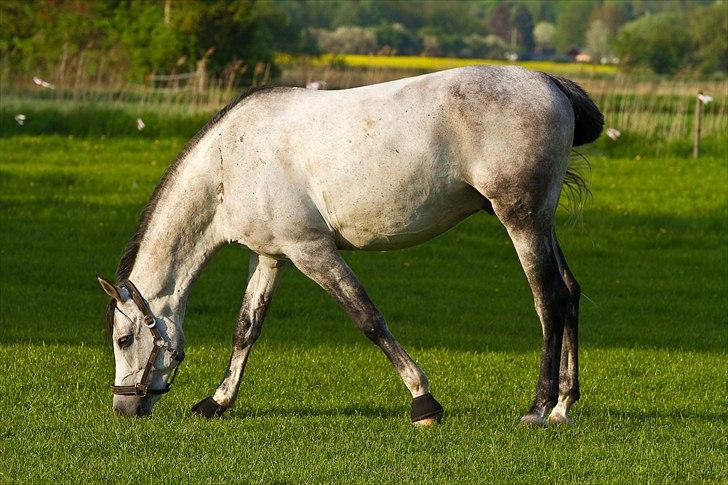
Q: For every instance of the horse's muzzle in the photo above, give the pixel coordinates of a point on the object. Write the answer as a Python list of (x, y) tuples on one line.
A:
[(132, 406)]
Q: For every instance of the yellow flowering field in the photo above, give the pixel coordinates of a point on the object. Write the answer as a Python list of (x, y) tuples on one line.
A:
[(439, 63)]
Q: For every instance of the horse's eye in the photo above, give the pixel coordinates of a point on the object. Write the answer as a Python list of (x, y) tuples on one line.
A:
[(125, 341)]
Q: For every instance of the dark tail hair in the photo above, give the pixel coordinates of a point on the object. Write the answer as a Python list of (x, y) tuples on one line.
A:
[(576, 186), (588, 125), (588, 120)]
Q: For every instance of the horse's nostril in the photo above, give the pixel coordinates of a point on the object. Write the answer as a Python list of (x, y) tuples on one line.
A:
[(122, 411), (128, 408)]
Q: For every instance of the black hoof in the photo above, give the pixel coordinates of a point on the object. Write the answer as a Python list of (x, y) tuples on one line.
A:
[(208, 408), (424, 407)]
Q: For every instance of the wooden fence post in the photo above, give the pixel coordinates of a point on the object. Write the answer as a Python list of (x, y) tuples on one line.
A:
[(201, 75), (696, 124)]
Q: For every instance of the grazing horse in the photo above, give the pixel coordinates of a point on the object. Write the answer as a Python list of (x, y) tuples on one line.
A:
[(296, 175)]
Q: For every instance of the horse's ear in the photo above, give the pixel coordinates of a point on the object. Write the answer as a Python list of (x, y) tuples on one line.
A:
[(112, 290)]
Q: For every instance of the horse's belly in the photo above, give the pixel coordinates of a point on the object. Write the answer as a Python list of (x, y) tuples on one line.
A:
[(392, 237), (400, 221)]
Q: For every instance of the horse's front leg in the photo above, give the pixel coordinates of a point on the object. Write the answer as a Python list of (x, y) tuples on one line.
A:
[(264, 275), (322, 263)]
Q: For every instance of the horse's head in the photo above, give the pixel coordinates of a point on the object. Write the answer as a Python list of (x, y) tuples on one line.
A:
[(147, 349)]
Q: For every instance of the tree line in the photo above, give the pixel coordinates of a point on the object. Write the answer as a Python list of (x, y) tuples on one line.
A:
[(235, 39)]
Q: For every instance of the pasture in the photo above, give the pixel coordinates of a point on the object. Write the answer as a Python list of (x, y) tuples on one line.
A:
[(650, 255)]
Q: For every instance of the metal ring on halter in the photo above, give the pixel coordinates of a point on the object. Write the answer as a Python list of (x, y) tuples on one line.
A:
[(142, 388)]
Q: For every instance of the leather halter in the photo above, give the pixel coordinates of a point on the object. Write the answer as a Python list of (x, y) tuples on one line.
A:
[(160, 344)]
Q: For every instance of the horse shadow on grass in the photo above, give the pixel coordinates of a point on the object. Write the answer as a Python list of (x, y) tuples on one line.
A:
[(368, 411), (364, 411)]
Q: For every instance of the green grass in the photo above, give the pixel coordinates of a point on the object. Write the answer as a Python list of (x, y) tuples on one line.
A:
[(100, 119), (319, 402)]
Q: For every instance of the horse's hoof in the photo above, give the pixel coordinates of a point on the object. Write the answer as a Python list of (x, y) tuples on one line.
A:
[(426, 411), (208, 408), (532, 419), (557, 419), (424, 423)]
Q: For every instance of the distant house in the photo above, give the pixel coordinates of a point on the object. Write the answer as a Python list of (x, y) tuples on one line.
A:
[(578, 55), (573, 52)]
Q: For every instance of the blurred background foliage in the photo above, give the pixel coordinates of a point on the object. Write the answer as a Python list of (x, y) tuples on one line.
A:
[(235, 41)]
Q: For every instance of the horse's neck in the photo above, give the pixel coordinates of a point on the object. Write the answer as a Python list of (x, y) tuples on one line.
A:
[(182, 232)]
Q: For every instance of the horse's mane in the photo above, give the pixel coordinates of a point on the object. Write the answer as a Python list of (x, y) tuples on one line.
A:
[(128, 257)]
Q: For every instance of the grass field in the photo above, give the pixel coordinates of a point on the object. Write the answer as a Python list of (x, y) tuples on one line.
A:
[(319, 402)]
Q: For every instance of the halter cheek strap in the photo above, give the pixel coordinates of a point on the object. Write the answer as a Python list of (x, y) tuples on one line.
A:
[(160, 344)]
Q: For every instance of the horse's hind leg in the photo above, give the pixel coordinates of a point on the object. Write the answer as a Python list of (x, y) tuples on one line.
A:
[(264, 274), (532, 237), (323, 264), (569, 374)]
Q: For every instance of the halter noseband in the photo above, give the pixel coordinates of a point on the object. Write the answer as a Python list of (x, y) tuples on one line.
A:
[(142, 387)]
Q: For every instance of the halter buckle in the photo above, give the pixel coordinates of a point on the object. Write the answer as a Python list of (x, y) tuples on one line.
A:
[(141, 389), (149, 321)]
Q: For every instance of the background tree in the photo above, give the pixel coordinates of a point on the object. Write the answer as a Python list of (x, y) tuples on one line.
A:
[(234, 30), (542, 10), (543, 35), (709, 32), (348, 40), (598, 39), (398, 38), (499, 22), (153, 45), (656, 42), (571, 24), (612, 15), (67, 41), (475, 46), (431, 45), (523, 23)]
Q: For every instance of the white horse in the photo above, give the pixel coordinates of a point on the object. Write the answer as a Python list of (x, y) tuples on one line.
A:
[(296, 175)]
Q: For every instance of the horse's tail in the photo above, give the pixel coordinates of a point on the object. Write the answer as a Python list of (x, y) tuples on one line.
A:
[(588, 120), (588, 125)]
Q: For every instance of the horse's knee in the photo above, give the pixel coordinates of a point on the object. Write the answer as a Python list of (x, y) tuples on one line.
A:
[(246, 332), (374, 327)]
